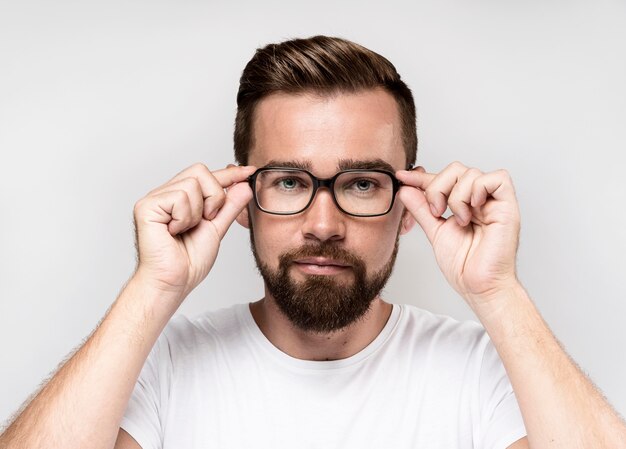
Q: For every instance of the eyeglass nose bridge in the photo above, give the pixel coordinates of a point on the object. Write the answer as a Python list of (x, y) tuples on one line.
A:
[(328, 183)]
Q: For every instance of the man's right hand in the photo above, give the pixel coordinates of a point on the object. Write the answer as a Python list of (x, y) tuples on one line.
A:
[(179, 226)]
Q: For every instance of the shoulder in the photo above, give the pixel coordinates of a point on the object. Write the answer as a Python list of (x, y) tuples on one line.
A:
[(438, 326), (209, 328), (440, 334)]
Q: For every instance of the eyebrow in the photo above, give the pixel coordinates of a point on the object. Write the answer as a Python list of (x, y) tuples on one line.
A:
[(301, 164), (344, 164), (365, 164)]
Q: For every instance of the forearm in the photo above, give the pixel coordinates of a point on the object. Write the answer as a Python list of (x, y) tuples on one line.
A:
[(83, 404), (560, 406)]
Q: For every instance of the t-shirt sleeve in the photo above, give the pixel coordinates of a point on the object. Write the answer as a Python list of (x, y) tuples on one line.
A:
[(142, 419), (501, 419)]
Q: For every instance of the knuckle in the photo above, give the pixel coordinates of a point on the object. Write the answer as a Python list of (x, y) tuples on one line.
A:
[(199, 167), (473, 171), (456, 165), (430, 194), (434, 192), (504, 173), (199, 170), (138, 207), (181, 195), (218, 197), (505, 176), (214, 202), (180, 198), (191, 183), (437, 199)]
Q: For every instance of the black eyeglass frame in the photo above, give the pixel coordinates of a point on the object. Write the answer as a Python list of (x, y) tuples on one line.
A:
[(329, 183)]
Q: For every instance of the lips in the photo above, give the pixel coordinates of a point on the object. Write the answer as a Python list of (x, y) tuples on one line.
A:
[(321, 266), (321, 261)]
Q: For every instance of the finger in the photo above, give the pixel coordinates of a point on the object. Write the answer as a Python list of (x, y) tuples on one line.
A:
[(233, 173), (191, 186), (417, 177), (438, 192), (460, 197), (237, 198), (193, 171), (210, 180), (170, 208), (497, 184), (219, 180), (205, 201), (213, 183), (198, 171), (415, 201)]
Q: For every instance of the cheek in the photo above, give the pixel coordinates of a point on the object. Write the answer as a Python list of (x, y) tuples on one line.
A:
[(271, 237), (391, 226), (377, 240)]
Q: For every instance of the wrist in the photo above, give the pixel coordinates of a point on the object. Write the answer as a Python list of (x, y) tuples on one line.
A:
[(162, 289), (152, 296), (492, 303)]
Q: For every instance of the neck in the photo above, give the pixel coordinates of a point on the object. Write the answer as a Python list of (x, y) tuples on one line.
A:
[(307, 345)]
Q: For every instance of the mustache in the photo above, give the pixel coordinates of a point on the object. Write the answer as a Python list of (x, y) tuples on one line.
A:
[(325, 249)]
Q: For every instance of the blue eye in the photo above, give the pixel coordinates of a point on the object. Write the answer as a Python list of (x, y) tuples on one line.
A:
[(288, 183), (363, 185)]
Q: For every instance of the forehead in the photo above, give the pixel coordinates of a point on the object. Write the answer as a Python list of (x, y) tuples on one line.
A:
[(323, 130)]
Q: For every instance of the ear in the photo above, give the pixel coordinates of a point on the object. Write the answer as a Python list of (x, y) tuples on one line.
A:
[(408, 221), (244, 218)]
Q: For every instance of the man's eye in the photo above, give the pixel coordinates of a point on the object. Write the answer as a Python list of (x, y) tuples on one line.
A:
[(362, 185), (288, 183)]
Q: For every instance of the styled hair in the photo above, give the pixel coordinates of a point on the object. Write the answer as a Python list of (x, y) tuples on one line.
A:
[(321, 65)]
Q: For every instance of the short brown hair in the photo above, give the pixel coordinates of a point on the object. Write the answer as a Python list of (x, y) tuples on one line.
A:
[(323, 65)]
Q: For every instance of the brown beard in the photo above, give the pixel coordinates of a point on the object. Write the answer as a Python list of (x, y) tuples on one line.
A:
[(320, 303)]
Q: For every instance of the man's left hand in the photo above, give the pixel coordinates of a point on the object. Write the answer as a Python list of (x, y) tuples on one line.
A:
[(476, 246)]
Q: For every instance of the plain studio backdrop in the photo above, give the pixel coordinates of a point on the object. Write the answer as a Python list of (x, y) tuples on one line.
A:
[(101, 102)]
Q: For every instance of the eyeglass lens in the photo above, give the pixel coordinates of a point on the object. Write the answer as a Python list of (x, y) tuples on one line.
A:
[(356, 192)]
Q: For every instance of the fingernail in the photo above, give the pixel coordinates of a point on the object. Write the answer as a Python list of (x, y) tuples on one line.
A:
[(433, 210)]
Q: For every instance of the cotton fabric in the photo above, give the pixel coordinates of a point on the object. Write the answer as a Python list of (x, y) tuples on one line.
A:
[(426, 381)]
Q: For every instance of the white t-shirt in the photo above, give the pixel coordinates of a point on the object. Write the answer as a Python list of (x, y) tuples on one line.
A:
[(426, 381)]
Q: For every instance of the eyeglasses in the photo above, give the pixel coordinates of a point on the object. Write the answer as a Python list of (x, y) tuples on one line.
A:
[(289, 191)]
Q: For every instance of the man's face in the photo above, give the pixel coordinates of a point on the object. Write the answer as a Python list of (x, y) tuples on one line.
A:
[(323, 267)]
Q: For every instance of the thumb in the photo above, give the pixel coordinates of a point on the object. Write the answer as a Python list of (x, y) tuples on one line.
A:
[(416, 203), (237, 197)]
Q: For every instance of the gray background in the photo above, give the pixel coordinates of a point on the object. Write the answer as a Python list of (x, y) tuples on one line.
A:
[(101, 102)]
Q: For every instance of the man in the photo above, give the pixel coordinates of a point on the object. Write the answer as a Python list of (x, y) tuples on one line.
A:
[(325, 138)]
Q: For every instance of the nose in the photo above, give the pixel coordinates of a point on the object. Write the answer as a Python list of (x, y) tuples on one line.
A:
[(323, 221)]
